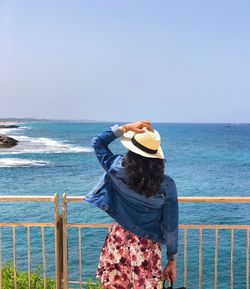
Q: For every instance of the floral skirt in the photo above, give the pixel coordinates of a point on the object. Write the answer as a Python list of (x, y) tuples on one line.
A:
[(128, 261)]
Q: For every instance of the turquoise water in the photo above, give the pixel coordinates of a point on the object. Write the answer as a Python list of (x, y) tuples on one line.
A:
[(204, 160)]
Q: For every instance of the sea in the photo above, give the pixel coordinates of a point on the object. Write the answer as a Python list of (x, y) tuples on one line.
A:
[(57, 157)]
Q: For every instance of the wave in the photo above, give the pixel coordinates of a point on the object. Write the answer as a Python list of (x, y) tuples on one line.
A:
[(42, 145), (14, 162), (8, 131)]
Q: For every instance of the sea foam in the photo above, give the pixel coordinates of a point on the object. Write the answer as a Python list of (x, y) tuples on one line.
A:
[(42, 145), (14, 162)]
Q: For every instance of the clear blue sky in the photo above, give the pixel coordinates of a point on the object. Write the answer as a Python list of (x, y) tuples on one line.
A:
[(167, 61)]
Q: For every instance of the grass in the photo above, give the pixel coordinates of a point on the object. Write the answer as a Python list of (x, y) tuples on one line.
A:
[(36, 279)]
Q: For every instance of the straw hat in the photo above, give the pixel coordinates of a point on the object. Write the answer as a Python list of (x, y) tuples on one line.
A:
[(146, 144)]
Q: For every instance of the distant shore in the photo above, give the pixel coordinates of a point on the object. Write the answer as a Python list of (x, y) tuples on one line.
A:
[(29, 120), (8, 123), (33, 120)]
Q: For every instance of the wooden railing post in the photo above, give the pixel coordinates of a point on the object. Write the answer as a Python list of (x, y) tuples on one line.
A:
[(65, 243), (58, 259), (61, 247)]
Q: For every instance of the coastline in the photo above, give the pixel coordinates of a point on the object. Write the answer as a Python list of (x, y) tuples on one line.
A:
[(5, 140), (8, 123), (30, 141)]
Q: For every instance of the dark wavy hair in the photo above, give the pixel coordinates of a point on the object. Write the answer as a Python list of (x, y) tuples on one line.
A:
[(145, 175)]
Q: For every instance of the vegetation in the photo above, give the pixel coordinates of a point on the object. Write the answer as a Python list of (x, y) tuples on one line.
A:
[(93, 286), (36, 279)]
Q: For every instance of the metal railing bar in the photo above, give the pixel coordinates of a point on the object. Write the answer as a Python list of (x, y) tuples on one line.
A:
[(216, 260), (44, 258), (185, 257), (28, 251), (200, 260), (75, 199), (27, 225), (65, 243), (89, 225), (80, 256), (181, 226), (14, 255), (247, 259), (58, 272), (230, 199), (27, 198), (0, 258), (83, 282), (210, 226), (232, 260), (187, 199)]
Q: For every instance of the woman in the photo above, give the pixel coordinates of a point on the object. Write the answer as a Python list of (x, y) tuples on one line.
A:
[(143, 201)]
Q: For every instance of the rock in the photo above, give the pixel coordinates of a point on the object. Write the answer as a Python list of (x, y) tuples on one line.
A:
[(7, 142), (9, 126)]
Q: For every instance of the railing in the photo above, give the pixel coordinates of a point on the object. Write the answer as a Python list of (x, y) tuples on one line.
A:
[(184, 227), (61, 226), (28, 225)]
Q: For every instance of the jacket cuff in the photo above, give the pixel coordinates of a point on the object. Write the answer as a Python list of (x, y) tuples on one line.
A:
[(172, 257), (116, 130)]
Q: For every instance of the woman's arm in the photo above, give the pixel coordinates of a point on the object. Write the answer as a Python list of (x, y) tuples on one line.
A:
[(100, 144), (170, 223), (101, 141), (170, 229)]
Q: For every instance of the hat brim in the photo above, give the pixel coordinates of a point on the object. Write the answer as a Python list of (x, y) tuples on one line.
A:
[(126, 141)]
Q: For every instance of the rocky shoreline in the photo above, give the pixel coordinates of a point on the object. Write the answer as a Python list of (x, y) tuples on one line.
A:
[(9, 126), (6, 141)]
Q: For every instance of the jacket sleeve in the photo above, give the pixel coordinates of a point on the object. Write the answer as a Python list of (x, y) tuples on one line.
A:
[(171, 220), (100, 144)]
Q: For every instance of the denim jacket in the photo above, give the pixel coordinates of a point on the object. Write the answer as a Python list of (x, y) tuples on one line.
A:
[(154, 218)]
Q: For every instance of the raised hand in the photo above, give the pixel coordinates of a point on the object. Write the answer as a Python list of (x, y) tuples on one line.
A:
[(139, 125)]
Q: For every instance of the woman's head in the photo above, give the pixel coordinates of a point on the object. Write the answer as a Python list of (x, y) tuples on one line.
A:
[(145, 175)]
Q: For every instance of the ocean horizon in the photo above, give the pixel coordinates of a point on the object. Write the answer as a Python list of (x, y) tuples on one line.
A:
[(205, 159)]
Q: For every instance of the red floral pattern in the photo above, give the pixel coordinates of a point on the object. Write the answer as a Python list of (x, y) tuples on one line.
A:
[(128, 261)]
